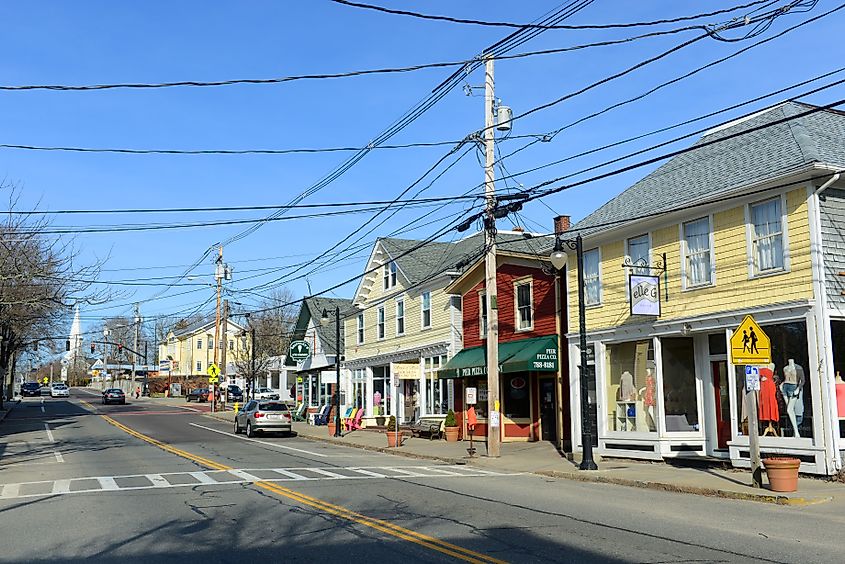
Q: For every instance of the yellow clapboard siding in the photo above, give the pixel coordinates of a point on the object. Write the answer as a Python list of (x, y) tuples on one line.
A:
[(733, 288)]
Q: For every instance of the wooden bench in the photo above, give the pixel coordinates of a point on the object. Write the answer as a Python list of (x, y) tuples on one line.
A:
[(429, 426)]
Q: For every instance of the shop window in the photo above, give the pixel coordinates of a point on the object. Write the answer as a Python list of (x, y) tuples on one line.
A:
[(313, 398), (680, 393), (631, 387), (434, 387), (517, 403), (767, 236), (837, 330), (717, 343), (785, 401), (592, 278)]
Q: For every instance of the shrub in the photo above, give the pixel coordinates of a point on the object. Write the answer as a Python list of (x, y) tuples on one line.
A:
[(391, 423), (450, 419)]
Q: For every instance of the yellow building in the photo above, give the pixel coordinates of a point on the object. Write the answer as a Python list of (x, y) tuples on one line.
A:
[(189, 350), (671, 267)]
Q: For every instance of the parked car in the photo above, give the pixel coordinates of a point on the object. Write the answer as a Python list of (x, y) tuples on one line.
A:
[(234, 393), (44, 391), (263, 416), (30, 389), (198, 395), (114, 395), (59, 391), (266, 393)]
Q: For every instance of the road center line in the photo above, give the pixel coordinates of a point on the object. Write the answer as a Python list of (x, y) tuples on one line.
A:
[(276, 445)]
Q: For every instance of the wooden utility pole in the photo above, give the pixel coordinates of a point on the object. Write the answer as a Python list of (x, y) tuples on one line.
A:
[(493, 417), (219, 273), (224, 343)]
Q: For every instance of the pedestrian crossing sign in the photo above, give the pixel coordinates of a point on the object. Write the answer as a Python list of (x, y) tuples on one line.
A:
[(213, 370), (750, 344)]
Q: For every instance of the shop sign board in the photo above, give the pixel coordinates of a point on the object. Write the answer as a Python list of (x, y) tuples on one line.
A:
[(752, 379), (472, 396), (644, 294), (299, 350), (750, 344), (328, 377), (164, 366)]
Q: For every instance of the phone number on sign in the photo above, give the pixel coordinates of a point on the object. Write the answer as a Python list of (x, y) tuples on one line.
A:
[(544, 365)]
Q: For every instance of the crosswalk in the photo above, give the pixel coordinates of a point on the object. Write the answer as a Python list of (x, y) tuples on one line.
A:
[(131, 482)]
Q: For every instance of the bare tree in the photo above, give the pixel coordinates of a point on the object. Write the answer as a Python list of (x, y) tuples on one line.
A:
[(42, 277)]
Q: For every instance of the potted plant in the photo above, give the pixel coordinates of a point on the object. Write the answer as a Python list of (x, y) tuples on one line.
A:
[(394, 436), (782, 472), (451, 425)]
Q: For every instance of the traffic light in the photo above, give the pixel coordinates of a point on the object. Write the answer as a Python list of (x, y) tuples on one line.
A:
[(92, 348), (67, 345)]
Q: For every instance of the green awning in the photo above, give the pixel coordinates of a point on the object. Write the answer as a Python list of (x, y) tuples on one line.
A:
[(538, 355)]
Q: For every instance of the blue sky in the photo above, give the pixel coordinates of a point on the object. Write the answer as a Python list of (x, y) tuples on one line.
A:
[(97, 42)]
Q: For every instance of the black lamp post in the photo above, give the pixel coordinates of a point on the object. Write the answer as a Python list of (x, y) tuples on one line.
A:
[(336, 366), (558, 259)]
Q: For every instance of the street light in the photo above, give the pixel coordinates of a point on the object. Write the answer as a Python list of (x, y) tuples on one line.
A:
[(325, 318), (558, 260)]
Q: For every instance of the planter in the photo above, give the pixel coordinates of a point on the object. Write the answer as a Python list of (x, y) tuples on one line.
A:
[(394, 440), (782, 473), (452, 434), (380, 421), (331, 426)]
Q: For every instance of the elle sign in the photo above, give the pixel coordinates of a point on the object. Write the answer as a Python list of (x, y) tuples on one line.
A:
[(645, 294)]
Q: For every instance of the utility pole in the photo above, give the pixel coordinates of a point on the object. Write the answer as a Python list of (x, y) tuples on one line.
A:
[(219, 273), (135, 356), (224, 342), (493, 417)]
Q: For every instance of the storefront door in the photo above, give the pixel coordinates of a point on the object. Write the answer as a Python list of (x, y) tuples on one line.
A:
[(719, 370), (412, 400), (548, 410)]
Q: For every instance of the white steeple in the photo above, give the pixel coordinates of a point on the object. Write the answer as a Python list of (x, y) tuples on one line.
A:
[(74, 355)]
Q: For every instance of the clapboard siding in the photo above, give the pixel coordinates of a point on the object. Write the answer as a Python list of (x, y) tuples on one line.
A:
[(833, 244)]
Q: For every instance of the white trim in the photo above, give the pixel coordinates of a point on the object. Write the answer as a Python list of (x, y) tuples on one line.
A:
[(360, 329), (423, 326), (482, 317), (684, 251), (750, 235), (381, 323), (600, 278), (400, 300), (517, 318)]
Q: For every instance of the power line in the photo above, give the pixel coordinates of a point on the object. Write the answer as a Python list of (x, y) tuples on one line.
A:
[(542, 26)]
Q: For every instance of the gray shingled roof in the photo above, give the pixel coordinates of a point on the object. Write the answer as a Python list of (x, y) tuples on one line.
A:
[(435, 258), (312, 308), (719, 168)]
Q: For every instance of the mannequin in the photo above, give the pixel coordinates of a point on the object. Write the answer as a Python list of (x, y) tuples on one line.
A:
[(793, 383), (768, 408), (627, 391), (840, 396), (648, 397)]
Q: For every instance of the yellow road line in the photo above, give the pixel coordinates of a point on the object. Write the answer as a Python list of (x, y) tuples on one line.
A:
[(337, 510)]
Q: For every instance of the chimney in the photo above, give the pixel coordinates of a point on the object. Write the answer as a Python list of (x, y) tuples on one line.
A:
[(562, 223)]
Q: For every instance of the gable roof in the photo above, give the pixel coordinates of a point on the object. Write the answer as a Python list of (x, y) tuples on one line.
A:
[(720, 168), (312, 308)]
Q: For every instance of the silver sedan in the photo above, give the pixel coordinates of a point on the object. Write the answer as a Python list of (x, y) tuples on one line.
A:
[(263, 416)]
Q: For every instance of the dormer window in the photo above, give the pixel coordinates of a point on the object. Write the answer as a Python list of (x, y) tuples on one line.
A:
[(389, 275)]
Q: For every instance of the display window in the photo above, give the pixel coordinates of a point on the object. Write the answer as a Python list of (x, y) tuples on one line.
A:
[(680, 391), (480, 385), (837, 331), (517, 404), (435, 394), (631, 387), (785, 401)]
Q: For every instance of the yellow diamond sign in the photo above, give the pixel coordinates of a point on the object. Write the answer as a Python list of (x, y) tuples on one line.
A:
[(213, 370), (750, 344)]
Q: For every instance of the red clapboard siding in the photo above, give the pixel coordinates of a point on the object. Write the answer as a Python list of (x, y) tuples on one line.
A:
[(544, 306)]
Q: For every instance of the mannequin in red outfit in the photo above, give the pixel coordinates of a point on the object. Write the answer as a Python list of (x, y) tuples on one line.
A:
[(768, 408)]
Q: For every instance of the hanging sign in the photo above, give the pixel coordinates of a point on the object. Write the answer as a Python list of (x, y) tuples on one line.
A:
[(750, 344), (299, 350), (644, 294)]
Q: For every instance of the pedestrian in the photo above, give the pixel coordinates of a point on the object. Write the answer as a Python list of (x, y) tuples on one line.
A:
[(137, 392)]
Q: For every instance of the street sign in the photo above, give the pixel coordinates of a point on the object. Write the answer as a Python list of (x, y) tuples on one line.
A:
[(213, 370), (45, 379), (752, 379), (750, 344), (472, 396), (213, 379), (299, 350)]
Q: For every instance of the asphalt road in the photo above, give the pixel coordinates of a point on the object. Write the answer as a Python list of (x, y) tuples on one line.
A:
[(151, 483)]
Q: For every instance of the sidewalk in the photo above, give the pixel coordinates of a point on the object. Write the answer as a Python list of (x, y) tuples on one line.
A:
[(543, 459), (8, 406)]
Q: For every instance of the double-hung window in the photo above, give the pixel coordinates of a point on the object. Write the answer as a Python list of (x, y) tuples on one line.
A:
[(426, 309), (698, 253), (482, 314), (360, 328), (639, 251), (210, 343), (592, 278), (199, 343), (400, 317), (524, 306), (380, 324), (199, 366), (389, 275), (767, 236)]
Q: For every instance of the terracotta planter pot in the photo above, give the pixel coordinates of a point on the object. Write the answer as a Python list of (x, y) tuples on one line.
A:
[(782, 473), (392, 440), (452, 434), (331, 426)]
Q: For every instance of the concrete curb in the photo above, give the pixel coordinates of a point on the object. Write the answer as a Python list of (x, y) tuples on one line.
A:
[(772, 498)]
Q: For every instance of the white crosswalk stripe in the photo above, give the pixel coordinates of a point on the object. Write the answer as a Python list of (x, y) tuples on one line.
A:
[(224, 478)]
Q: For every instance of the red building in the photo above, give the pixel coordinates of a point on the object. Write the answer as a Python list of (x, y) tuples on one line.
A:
[(533, 405)]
